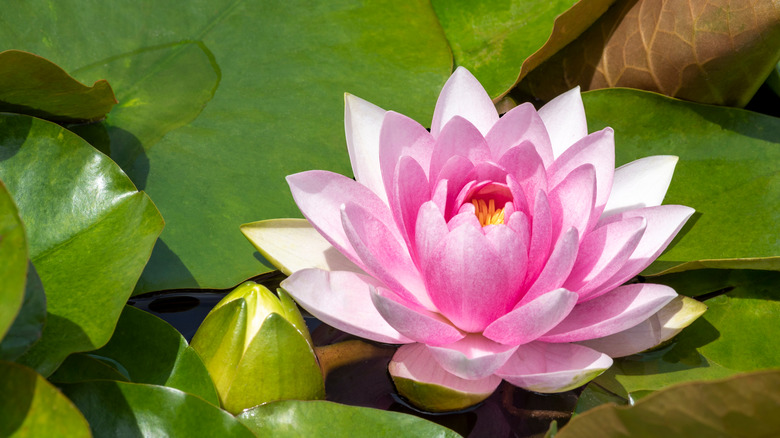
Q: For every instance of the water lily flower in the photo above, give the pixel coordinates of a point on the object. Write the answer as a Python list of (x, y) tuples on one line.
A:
[(491, 247), (257, 349)]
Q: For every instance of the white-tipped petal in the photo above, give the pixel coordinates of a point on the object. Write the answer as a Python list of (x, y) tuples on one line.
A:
[(473, 357), (293, 244), (464, 96), (565, 120), (640, 183), (362, 124)]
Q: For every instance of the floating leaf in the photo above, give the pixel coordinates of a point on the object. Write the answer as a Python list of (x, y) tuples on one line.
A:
[(710, 51), (326, 419), (32, 407), (735, 334), (278, 108), (727, 172), (741, 406), (494, 38), (13, 260), (36, 86), (28, 325), (90, 232), (138, 410), (148, 350)]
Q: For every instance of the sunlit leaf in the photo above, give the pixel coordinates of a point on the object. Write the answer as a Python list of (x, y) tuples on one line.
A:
[(282, 71), (727, 172), (741, 406), (148, 350), (30, 84), (31, 407), (27, 327), (13, 260), (493, 39), (710, 51), (90, 232), (326, 419), (139, 410)]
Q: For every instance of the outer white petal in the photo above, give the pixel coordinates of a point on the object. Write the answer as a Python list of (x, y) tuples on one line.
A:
[(473, 357), (362, 124), (662, 326), (293, 244), (640, 183), (565, 120), (464, 96)]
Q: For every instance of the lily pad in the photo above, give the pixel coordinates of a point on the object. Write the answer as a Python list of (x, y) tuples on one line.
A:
[(493, 39), (278, 108), (13, 260), (727, 171), (326, 419), (139, 410), (145, 349), (32, 407), (717, 52), (90, 232), (736, 334), (741, 406), (28, 326), (30, 84)]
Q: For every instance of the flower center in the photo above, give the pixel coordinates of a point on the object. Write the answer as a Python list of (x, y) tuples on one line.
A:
[(487, 213)]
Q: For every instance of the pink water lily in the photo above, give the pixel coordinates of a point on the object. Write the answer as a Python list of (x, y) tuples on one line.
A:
[(493, 247)]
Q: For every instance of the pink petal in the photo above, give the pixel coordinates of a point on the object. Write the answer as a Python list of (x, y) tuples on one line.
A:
[(663, 223), (550, 368), (429, 232), (533, 319), (468, 281), (640, 183), (572, 201), (525, 165), (464, 96), (618, 310), (454, 176), (541, 236), (465, 217), (564, 118), (401, 136), (320, 194), (597, 149), (519, 125), (384, 255), (415, 362), (602, 253), (558, 266), (458, 138), (473, 357), (342, 300), (410, 183), (413, 321), (280, 242), (362, 124)]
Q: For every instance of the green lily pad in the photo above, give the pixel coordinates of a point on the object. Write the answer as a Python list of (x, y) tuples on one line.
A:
[(36, 86), (138, 410), (28, 326), (493, 39), (278, 108), (326, 419), (90, 232), (735, 334), (13, 260), (741, 406), (31, 407), (727, 172), (147, 350)]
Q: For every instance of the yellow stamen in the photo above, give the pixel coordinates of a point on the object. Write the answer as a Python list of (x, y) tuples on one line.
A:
[(487, 213)]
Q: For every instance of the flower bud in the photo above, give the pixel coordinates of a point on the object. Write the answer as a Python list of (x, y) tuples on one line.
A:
[(257, 349)]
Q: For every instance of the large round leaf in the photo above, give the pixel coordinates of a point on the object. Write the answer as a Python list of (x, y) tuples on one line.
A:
[(13, 260), (90, 232), (727, 172), (31, 407), (741, 406), (138, 410), (737, 333), (326, 419), (280, 70), (148, 350)]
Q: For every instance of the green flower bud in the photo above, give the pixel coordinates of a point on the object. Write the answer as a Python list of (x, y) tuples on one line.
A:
[(257, 349)]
